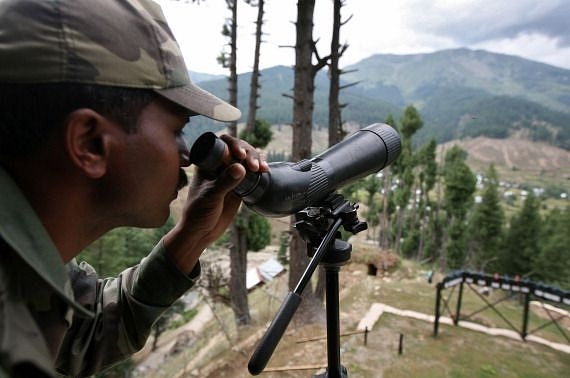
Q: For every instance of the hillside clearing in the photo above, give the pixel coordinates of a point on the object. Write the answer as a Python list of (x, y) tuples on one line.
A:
[(456, 352)]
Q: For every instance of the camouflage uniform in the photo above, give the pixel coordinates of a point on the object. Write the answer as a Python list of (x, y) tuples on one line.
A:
[(56, 316), (50, 311)]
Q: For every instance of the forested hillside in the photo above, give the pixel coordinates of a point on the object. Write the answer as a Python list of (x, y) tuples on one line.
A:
[(460, 93)]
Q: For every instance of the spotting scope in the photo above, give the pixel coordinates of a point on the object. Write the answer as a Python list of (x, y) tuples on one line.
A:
[(290, 187)]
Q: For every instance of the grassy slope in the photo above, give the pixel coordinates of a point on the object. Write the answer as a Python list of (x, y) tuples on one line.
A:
[(456, 352)]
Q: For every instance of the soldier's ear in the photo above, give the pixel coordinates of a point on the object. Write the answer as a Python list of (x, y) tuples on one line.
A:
[(88, 137)]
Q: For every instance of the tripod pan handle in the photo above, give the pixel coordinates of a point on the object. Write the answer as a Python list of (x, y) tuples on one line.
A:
[(273, 334)]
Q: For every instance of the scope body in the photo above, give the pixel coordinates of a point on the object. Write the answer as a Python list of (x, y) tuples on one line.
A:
[(289, 187)]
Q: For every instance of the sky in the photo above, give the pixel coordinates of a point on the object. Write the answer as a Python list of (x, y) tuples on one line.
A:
[(538, 30)]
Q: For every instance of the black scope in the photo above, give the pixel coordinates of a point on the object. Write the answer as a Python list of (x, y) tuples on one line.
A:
[(290, 187)]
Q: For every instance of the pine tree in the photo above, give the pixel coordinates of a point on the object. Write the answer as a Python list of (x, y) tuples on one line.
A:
[(522, 240), (427, 178), (552, 263), (486, 225), (404, 169), (460, 184)]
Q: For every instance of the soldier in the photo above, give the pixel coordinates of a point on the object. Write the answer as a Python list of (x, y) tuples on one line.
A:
[(93, 98)]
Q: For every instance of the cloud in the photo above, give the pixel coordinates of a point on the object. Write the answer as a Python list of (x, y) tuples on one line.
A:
[(533, 29), (532, 46), (469, 22), (552, 22)]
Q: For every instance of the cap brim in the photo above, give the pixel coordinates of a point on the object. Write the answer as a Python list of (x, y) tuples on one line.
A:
[(201, 102)]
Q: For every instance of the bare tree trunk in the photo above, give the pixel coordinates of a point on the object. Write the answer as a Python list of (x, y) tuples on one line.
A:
[(254, 84), (311, 309), (238, 245), (232, 87), (304, 87), (335, 120), (238, 274)]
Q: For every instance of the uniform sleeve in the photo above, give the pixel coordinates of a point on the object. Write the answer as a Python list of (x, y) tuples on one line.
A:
[(124, 310)]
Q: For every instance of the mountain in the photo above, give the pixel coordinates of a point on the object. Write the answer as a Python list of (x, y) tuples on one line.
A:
[(418, 75), (459, 93), (463, 93), (198, 77)]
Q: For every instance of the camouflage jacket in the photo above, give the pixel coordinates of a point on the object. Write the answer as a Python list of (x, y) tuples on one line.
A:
[(56, 317)]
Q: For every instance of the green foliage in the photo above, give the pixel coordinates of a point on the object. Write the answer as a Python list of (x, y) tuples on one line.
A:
[(411, 243), (373, 215), (435, 234), (350, 191), (456, 246), (258, 232), (426, 158), (552, 263), (121, 248), (411, 122), (554, 191), (459, 183), (261, 135), (223, 59), (372, 184), (404, 166), (390, 120), (283, 247), (486, 224), (522, 242)]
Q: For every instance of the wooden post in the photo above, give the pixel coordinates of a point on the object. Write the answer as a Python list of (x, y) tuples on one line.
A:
[(458, 308), (437, 307)]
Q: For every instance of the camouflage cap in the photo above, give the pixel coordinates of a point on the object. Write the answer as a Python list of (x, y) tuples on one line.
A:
[(125, 43)]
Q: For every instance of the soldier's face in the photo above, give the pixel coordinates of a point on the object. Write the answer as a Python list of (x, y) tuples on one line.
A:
[(149, 173)]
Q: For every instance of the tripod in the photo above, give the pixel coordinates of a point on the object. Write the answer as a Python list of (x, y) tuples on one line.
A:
[(318, 226)]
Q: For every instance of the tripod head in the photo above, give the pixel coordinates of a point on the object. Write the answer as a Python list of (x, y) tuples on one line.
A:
[(315, 221)]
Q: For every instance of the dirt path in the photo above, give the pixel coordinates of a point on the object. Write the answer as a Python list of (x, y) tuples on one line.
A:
[(377, 309)]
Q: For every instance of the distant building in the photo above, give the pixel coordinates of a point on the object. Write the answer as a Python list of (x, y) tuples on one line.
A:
[(263, 273)]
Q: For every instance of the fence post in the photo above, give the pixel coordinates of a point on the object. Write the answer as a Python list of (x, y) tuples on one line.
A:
[(437, 303), (458, 308), (525, 315)]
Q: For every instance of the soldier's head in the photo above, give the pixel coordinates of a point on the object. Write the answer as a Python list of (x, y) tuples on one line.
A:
[(110, 56), (97, 92)]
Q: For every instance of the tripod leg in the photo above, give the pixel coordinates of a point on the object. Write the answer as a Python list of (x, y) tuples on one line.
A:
[(333, 322)]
